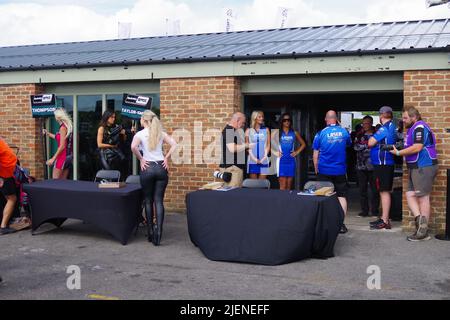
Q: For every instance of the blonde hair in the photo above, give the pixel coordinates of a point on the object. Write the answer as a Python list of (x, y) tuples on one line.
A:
[(253, 118), (154, 128), (62, 115)]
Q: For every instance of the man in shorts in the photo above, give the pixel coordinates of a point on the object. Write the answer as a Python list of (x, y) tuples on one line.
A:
[(8, 161), (383, 164), (421, 159), (330, 156)]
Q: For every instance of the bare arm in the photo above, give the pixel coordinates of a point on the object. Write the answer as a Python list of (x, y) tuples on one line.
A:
[(48, 133), (135, 149), (302, 144), (275, 145), (100, 144), (415, 148), (267, 146), (316, 161), (173, 145), (247, 141), (372, 142)]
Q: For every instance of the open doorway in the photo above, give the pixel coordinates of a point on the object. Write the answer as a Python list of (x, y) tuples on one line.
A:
[(308, 113)]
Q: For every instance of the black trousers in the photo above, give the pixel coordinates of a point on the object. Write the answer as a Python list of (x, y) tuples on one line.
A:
[(366, 179), (154, 181)]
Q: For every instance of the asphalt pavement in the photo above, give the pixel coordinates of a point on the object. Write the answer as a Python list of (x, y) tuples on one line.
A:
[(36, 267)]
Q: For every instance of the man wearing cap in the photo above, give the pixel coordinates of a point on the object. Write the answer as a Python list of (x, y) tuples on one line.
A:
[(383, 164), (329, 158), (421, 159)]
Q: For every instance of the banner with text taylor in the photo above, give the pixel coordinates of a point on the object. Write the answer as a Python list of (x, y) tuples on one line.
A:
[(133, 106)]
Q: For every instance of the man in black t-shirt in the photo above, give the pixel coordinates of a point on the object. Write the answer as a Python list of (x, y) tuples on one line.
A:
[(233, 149)]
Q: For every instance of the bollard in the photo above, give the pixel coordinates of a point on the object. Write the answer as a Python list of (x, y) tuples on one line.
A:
[(446, 235)]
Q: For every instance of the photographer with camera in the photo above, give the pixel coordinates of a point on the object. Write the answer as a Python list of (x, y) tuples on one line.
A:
[(383, 163), (233, 149), (109, 136), (421, 159)]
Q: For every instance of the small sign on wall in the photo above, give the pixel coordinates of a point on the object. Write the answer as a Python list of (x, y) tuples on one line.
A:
[(43, 105), (133, 106)]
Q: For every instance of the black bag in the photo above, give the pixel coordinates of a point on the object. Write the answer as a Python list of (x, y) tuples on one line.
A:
[(111, 158)]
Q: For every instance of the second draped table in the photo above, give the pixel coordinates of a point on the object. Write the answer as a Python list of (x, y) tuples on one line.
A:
[(268, 227)]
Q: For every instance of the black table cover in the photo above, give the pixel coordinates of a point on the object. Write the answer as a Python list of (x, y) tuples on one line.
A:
[(267, 227), (113, 210)]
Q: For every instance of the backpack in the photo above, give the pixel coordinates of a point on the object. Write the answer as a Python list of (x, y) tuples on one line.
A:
[(21, 175)]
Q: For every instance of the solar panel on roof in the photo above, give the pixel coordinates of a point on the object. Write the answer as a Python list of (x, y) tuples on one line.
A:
[(406, 35)]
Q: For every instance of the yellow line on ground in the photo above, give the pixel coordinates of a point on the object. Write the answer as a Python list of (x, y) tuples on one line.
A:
[(101, 297)]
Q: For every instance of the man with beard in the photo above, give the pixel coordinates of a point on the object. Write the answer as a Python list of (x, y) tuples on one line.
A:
[(421, 159)]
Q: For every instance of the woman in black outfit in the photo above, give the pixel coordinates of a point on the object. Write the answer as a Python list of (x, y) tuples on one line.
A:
[(154, 170), (109, 135)]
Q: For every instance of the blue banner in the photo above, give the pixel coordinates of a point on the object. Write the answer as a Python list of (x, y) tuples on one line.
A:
[(133, 106)]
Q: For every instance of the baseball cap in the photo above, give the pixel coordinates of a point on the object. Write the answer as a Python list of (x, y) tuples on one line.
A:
[(385, 109)]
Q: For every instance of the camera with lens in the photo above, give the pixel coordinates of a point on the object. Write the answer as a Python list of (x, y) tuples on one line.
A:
[(389, 147), (225, 176)]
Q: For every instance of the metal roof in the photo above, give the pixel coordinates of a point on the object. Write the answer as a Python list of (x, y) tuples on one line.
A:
[(405, 36)]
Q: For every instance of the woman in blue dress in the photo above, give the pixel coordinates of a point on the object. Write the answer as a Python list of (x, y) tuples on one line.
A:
[(286, 152), (258, 136)]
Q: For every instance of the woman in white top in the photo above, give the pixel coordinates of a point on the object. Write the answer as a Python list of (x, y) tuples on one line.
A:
[(154, 170)]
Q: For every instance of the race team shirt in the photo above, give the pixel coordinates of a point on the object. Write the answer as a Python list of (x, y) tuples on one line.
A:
[(331, 142), (385, 135)]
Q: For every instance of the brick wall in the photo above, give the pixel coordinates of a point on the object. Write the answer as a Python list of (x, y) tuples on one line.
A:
[(17, 127), (207, 101), (429, 91)]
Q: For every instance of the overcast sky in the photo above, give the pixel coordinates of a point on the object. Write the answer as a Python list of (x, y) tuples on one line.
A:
[(49, 21)]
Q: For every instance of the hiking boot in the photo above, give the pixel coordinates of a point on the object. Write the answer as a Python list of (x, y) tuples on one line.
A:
[(6, 230), (381, 225), (422, 230), (414, 237)]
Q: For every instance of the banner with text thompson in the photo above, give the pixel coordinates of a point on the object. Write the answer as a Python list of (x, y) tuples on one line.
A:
[(43, 105)]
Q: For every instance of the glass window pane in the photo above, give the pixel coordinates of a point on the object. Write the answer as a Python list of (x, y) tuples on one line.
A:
[(89, 116), (114, 102)]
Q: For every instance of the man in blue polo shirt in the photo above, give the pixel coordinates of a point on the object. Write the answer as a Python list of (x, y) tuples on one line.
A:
[(383, 164), (330, 157)]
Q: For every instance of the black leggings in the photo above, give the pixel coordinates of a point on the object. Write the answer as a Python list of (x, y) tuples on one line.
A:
[(154, 181)]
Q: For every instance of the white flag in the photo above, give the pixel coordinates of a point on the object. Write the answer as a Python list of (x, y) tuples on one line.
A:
[(124, 30)]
